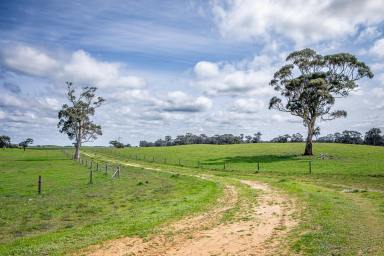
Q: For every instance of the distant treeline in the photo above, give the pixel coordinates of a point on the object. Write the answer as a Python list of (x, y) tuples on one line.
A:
[(5, 142), (371, 137), (190, 138)]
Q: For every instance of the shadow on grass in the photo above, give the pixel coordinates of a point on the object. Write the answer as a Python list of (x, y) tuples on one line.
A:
[(40, 159), (252, 159)]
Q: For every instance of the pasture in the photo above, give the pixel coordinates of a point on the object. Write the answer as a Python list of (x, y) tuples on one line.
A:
[(342, 199), (72, 214)]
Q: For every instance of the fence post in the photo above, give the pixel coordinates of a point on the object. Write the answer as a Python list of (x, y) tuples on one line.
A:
[(97, 166), (258, 166), (90, 176), (118, 171), (86, 162), (39, 185), (153, 158), (91, 164), (106, 169), (179, 163), (310, 167)]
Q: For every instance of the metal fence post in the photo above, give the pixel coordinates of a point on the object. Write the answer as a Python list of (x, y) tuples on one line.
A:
[(39, 185)]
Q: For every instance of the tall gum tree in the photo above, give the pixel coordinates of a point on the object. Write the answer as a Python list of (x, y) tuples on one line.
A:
[(75, 117), (310, 83)]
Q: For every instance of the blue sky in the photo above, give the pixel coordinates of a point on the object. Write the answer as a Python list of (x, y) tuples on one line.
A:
[(171, 67)]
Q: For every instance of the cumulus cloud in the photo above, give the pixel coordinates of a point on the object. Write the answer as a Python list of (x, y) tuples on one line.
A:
[(235, 78), (79, 67), (178, 101), (206, 69), (248, 105), (28, 60), (83, 68), (299, 20)]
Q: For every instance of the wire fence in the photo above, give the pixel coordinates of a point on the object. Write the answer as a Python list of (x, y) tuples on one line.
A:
[(292, 164)]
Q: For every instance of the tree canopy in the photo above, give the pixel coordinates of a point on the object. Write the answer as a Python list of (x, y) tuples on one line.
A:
[(24, 144), (75, 117), (310, 83)]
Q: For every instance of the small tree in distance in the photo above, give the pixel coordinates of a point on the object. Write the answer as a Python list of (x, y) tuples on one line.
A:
[(311, 82), (373, 137), (24, 144), (116, 144), (5, 141), (75, 118)]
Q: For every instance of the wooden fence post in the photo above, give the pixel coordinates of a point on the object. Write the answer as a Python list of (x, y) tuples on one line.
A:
[(258, 166), (91, 164), (106, 169), (90, 176), (39, 185), (97, 166)]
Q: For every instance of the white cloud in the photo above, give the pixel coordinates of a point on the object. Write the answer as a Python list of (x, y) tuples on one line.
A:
[(10, 100), (248, 105), (2, 114), (235, 78), (378, 48), (178, 101), (49, 103), (378, 92), (78, 67), (205, 69), (303, 21), (28, 60), (83, 68), (368, 33)]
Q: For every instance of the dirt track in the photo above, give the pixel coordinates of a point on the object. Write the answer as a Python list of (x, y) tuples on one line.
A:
[(260, 230)]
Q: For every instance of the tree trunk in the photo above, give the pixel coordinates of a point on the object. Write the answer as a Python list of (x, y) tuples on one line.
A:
[(308, 142), (77, 151), (78, 143)]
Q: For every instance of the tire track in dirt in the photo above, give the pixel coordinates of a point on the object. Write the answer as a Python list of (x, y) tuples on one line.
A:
[(259, 230)]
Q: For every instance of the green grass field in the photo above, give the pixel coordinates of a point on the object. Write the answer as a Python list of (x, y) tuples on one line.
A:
[(71, 214), (341, 200), (343, 197)]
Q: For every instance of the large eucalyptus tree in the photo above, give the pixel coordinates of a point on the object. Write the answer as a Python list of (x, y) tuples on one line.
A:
[(309, 84), (75, 118)]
